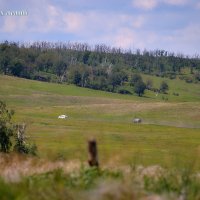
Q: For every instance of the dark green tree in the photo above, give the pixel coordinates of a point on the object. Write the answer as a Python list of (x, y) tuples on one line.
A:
[(134, 79), (139, 88), (115, 80), (6, 128), (17, 67), (10, 132), (77, 78), (164, 87)]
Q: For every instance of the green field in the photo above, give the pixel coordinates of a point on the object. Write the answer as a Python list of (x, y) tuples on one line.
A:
[(168, 136)]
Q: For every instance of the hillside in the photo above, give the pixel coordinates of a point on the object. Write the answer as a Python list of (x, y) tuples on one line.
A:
[(157, 159), (107, 117), (100, 67)]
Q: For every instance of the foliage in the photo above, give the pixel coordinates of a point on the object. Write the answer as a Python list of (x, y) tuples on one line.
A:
[(8, 131), (180, 182), (21, 145), (87, 176), (149, 84), (100, 67), (164, 87), (139, 88), (6, 128), (135, 78), (88, 183), (124, 91)]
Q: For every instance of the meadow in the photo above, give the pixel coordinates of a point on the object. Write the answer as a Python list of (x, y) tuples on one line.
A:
[(157, 159), (169, 133)]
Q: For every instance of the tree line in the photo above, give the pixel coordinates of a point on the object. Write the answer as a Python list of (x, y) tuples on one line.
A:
[(99, 67)]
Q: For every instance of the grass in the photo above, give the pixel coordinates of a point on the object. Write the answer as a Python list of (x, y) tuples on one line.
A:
[(103, 184), (168, 137), (170, 130), (188, 92)]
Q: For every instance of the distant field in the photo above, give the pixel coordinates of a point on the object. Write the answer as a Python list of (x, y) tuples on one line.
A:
[(169, 134)]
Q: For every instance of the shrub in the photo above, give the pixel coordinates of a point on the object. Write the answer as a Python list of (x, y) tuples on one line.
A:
[(175, 94), (139, 88), (6, 128), (124, 91), (21, 145), (149, 84), (134, 79), (164, 87), (188, 80), (8, 131)]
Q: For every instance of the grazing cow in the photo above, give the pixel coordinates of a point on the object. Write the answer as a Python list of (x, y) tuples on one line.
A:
[(137, 120), (62, 117)]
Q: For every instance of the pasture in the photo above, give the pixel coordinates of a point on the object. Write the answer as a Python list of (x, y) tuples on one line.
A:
[(169, 134)]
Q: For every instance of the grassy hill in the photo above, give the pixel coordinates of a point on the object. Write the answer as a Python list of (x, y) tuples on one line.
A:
[(169, 132), (157, 159)]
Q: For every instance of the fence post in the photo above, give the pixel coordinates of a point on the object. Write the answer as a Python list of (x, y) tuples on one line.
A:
[(93, 153)]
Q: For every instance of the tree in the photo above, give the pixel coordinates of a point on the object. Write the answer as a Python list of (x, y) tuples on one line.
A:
[(164, 87), (134, 79), (17, 67), (6, 128), (21, 144), (10, 132), (115, 80), (139, 88), (149, 84)]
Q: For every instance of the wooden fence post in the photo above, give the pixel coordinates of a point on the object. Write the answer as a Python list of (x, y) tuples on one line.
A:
[(93, 153)]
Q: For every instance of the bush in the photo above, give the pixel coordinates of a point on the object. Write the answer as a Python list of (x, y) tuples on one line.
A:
[(21, 145), (139, 88), (197, 76), (149, 84), (182, 183), (134, 79), (6, 128), (188, 80), (175, 94), (8, 131), (124, 91), (164, 87)]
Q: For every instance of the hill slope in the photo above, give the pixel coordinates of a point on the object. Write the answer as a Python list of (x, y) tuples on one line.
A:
[(107, 117)]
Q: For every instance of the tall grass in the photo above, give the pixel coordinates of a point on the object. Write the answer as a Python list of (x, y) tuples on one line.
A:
[(93, 183)]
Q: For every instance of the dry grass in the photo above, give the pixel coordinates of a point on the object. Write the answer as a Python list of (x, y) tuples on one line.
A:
[(13, 167)]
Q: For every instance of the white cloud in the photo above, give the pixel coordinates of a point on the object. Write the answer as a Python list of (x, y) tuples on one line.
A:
[(176, 2), (125, 38), (198, 5), (52, 10), (73, 22), (128, 38), (14, 24), (139, 21), (145, 4), (113, 28), (151, 4), (185, 40)]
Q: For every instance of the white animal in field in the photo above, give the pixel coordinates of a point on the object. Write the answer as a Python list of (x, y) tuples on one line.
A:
[(137, 120), (62, 116)]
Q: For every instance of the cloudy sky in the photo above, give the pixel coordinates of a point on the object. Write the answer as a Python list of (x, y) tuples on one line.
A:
[(172, 25)]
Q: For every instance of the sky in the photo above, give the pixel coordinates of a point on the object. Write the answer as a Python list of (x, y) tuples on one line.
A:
[(172, 25)]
